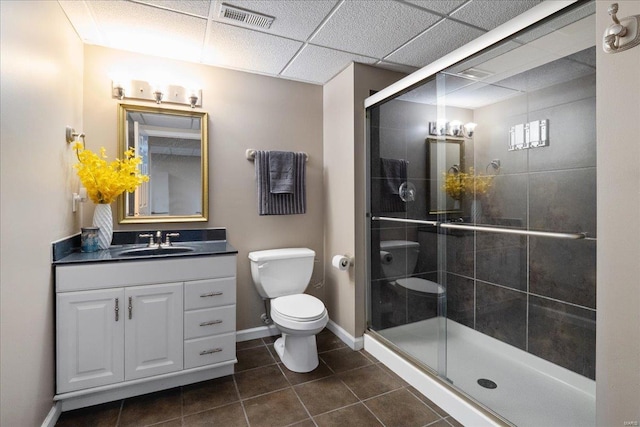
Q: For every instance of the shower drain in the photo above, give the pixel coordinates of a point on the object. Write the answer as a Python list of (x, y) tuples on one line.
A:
[(487, 383)]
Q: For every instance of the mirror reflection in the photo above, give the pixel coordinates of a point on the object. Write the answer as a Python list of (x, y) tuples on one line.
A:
[(173, 146), (441, 201)]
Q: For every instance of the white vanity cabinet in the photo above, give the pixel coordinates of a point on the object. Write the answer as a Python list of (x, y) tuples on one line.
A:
[(127, 328), (108, 336)]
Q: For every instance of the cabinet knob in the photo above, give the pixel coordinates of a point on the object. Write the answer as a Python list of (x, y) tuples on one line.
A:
[(130, 307), (117, 310)]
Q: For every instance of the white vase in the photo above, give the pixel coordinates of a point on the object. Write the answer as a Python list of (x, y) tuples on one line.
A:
[(476, 210), (103, 218)]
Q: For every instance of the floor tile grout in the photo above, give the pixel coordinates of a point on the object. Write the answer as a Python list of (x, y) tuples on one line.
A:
[(335, 371)]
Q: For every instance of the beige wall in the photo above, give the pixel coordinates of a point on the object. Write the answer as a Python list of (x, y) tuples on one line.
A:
[(339, 195), (618, 274), (41, 93), (344, 183), (245, 111)]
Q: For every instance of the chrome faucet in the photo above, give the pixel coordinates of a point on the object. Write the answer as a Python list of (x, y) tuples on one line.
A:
[(168, 237), (158, 242), (148, 235)]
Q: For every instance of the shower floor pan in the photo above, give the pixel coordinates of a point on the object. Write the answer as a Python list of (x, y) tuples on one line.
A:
[(530, 392)]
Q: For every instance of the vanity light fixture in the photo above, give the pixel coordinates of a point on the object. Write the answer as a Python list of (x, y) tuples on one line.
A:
[(119, 92), (143, 90), (454, 128), (192, 100), (157, 95)]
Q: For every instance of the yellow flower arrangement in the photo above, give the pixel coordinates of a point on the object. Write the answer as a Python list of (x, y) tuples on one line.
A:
[(457, 183), (104, 180)]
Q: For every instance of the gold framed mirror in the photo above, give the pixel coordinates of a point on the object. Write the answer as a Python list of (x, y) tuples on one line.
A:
[(440, 202), (173, 145)]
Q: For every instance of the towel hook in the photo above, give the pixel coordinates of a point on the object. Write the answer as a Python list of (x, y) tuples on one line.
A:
[(622, 34)]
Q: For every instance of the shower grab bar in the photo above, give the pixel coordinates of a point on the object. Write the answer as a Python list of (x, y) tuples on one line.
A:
[(458, 226), (574, 236), (411, 221)]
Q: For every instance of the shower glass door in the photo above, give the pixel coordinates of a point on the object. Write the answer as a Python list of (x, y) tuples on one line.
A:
[(406, 297), (482, 231)]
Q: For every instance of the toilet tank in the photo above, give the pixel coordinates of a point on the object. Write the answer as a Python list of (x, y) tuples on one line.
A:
[(279, 272), (398, 257)]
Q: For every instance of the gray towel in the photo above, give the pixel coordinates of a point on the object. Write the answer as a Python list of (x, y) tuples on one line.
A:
[(281, 177), (394, 173), (280, 203)]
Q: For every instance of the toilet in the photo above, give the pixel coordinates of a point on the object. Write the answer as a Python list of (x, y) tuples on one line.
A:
[(398, 259), (282, 275)]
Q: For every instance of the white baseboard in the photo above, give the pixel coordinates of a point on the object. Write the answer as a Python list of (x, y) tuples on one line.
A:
[(271, 330), (53, 415), (259, 332), (353, 342)]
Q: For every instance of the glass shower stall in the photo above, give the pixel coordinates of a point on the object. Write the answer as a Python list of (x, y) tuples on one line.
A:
[(482, 223)]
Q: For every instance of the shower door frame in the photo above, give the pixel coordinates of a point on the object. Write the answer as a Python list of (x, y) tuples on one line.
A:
[(487, 40)]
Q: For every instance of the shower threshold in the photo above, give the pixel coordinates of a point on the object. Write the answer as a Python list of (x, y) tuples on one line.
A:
[(529, 391)]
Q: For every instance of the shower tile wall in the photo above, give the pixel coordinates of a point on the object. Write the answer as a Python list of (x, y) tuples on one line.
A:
[(537, 294)]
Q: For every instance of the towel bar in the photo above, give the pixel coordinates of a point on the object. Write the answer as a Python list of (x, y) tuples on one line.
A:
[(251, 154)]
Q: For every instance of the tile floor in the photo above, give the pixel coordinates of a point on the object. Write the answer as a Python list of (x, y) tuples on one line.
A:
[(347, 389)]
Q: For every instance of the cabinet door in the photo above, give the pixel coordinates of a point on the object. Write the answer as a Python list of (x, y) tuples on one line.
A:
[(90, 339), (153, 336)]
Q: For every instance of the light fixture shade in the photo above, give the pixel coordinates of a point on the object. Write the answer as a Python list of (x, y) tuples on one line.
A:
[(454, 128), (469, 129)]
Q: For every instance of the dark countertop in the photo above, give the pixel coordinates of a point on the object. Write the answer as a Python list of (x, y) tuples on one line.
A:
[(114, 253)]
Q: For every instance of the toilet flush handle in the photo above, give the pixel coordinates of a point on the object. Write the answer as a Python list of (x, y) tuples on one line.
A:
[(264, 264)]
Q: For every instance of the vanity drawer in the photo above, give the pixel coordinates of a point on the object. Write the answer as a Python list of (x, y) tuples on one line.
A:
[(209, 350), (209, 293), (209, 321)]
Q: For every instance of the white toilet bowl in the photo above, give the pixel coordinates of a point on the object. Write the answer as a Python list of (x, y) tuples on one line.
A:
[(299, 317), (282, 275)]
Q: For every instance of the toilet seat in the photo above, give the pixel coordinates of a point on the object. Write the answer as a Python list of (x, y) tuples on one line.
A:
[(298, 308), (421, 285)]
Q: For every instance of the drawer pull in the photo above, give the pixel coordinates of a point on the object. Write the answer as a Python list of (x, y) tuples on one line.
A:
[(213, 350), (212, 294), (213, 322)]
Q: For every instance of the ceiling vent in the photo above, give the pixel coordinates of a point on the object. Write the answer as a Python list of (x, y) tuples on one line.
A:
[(248, 17)]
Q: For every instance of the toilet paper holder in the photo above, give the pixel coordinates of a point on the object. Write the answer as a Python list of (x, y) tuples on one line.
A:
[(342, 262)]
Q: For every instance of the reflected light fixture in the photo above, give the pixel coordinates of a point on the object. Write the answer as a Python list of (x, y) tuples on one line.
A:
[(454, 128), (468, 129)]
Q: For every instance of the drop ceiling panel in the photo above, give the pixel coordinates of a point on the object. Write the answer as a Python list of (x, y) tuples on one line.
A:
[(294, 19), (372, 28), (488, 14), (244, 49), (441, 39), (441, 6), (390, 34), (193, 7), (146, 29), (318, 64)]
